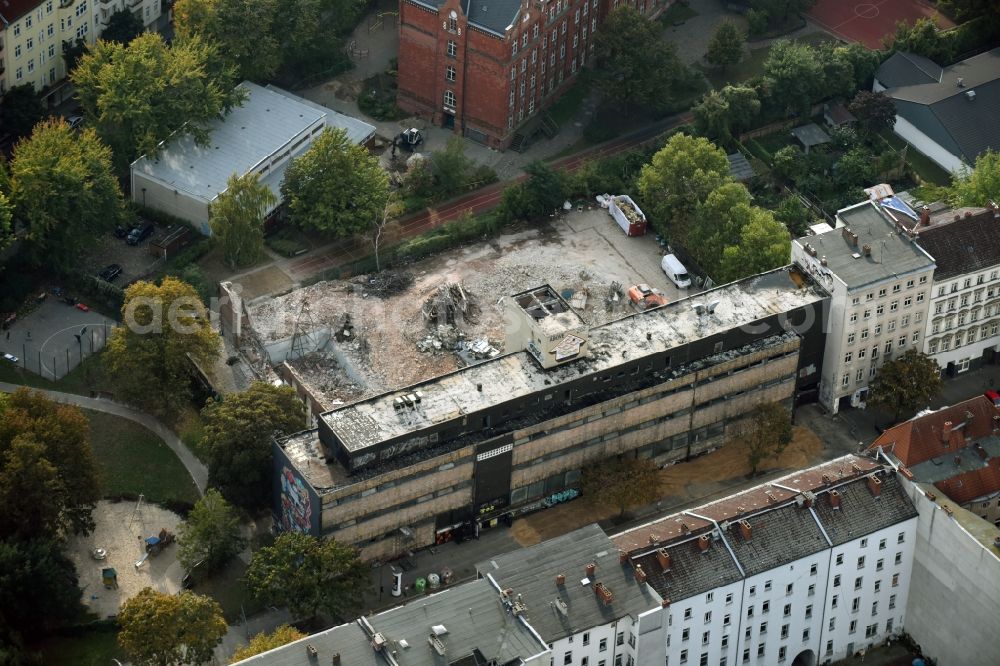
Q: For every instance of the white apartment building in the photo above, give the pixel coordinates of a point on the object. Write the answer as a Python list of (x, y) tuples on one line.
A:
[(147, 11), (805, 570), (879, 280), (963, 323)]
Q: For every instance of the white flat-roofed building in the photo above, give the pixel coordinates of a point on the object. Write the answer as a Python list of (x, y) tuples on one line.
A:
[(262, 136)]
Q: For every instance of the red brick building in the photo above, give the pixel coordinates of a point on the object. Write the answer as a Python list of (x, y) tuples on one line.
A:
[(488, 67)]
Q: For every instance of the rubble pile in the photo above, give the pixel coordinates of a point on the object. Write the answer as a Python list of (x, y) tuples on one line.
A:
[(451, 303), (389, 283), (443, 338)]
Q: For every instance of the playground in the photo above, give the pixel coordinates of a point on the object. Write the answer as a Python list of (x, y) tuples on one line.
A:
[(131, 548), (869, 22)]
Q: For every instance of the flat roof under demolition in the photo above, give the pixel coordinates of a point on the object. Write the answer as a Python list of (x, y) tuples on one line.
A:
[(475, 388)]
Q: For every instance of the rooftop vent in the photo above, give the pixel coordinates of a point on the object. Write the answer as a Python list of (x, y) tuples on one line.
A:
[(684, 528), (867, 249), (378, 642), (439, 630), (946, 433), (561, 606), (960, 82), (970, 95), (335, 657), (925, 216), (653, 539), (622, 557), (311, 650), (437, 645)]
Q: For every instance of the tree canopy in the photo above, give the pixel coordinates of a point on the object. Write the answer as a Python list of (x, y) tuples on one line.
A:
[(123, 26), (263, 642), (726, 45), (336, 187), (980, 185), (20, 110), (766, 433), (160, 629), (49, 480), (621, 483), (38, 587), (210, 536), (679, 177), (309, 575), (237, 218), (721, 113), (874, 111), (64, 190), (237, 435), (143, 93), (635, 77), (149, 356), (764, 244), (907, 382)]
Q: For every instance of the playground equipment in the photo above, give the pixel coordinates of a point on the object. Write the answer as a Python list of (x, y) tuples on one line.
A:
[(155, 545), (110, 578)]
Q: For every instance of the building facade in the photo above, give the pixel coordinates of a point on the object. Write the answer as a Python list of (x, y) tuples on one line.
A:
[(487, 68), (458, 453), (963, 325), (33, 32), (880, 284)]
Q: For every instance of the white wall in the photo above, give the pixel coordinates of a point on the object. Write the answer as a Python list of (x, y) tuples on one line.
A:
[(170, 201), (713, 602), (986, 310), (908, 132), (585, 647), (953, 610)]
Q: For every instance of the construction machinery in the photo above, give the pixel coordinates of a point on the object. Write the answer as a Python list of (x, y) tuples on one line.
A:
[(408, 139), (644, 297)]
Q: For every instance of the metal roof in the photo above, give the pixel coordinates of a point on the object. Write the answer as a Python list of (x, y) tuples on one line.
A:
[(811, 135), (491, 15), (740, 168), (907, 69)]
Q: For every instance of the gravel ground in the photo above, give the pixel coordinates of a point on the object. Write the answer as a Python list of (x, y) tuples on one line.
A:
[(120, 531)]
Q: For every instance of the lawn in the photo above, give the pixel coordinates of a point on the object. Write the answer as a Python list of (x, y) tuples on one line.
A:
[(228, 587), (92, 648), (134, 460), (568, 105), (676, 14), (83, 380), (753, 65), (189, 427), (925, 168)]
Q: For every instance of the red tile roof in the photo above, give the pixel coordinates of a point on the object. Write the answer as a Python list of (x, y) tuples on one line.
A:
[(971, 485), (11, 10), (922, 437)]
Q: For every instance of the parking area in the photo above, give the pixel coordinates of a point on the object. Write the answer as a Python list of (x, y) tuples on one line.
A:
[(55, 337), (135, 260)]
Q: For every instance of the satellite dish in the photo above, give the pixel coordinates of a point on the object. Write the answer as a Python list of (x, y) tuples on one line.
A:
[(698, 307), (712, 306)]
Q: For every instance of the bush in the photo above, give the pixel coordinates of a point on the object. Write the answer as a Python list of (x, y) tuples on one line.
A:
[(194, 276), (371, 104), (160, 218), (108, 295), (756, 21), (189, 255), (286, 247)]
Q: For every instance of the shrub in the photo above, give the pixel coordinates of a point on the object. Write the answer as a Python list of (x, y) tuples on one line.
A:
[(756, 21), (189, 255), (286, 247)]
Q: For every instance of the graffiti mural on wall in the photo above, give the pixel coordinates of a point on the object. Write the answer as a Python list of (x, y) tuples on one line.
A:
[(296, 505)]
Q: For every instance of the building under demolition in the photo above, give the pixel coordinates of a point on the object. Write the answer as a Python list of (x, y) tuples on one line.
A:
[(456, 453)]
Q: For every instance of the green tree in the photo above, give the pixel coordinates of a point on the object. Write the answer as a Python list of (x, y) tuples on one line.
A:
[(263, 642), (723, 112), (20, 110), (335, 187), (63, 189), (979, 186), (679, 177), (243, 29), (764, 244), (922, 38), (726, 45), (764, 434), (123, 26), (72, 52), (875, 111), (142, 94), (797, 74), (621, 483), (211, 535), (237, 435), (794, 215), (451, 171), (789, 162), (166, 327), (719, 220), (38, 586), (160, 629), (907, 382), (6, 216), (643, 77), (237, 217), (50, 478), (309, 575), (854, 169), (545, 189)]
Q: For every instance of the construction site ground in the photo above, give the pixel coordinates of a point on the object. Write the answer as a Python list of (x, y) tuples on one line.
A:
[(581, 251), (682, 485)]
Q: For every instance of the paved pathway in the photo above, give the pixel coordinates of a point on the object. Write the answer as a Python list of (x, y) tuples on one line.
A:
[(198, 471)]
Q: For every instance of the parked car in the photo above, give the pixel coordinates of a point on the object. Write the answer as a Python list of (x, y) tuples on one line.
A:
[(110, 273), (122, 232), (11, 358), (140, 233), (82, 308), (75, 122)]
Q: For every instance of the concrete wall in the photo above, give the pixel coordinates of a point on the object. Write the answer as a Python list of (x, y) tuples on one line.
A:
[(909, 133), (953, 610), (152, 193)]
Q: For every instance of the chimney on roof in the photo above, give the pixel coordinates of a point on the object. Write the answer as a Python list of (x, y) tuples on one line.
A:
[(335, 658), (957, 217), (666, 600), (640, 575), (867, 250), (561, 579), (704, 542), (745, 530), (604, 593), (663, 557), (826, 479), (311, 650), (834, 500), (906, 472), (479, 387), (653, 539), (968, 214), (590, 569), (996, 209), (925, 216), (960, 82), (822, 260), (946, 434), (684, 528), (622, 557), (875, 485)]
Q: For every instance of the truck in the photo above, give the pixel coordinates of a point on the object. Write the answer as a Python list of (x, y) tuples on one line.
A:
[(644, 297), (675, 270), (627, 214)]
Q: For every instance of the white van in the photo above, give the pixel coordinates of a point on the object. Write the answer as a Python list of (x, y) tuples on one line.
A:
[(675, 271)]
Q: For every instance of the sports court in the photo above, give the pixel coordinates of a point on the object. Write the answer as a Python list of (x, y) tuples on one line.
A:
[(869, 22)]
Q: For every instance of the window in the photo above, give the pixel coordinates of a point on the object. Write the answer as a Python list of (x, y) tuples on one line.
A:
[(450, 73), (856, 604), (760, 649), (888, 625), (891, 326), (909, 284), (453, 48), (860, 375), (603, 645), (893, 306), (763, 627), (708, 617), (834, 600), (833, 624), (586, 638), (899, 558), (862, 353), (869, 296), (840, 560), (620, 639), (895, 580), (853, 627), (901, 537), (787, 611), (871, 630), (813, 569), (907, 301), (782, 653), (729, 598), (848, 357), (784, 631), (749, 611), (453, 22), (703, 661), (687, 615), (809, 611), (892, 601), (684, 656), (868, 314), (805, 634), (765, 607), (858, 582), (855, 300), (854, 317), (850, 338), (864, 334), (812, 591), (902, 341), (878, 586), (568, 658), (888, 346), (846, 379), (726, 620), (829, 648), (753, 590), (449, 98), (788, 589), (17, 51), (705, 637)]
